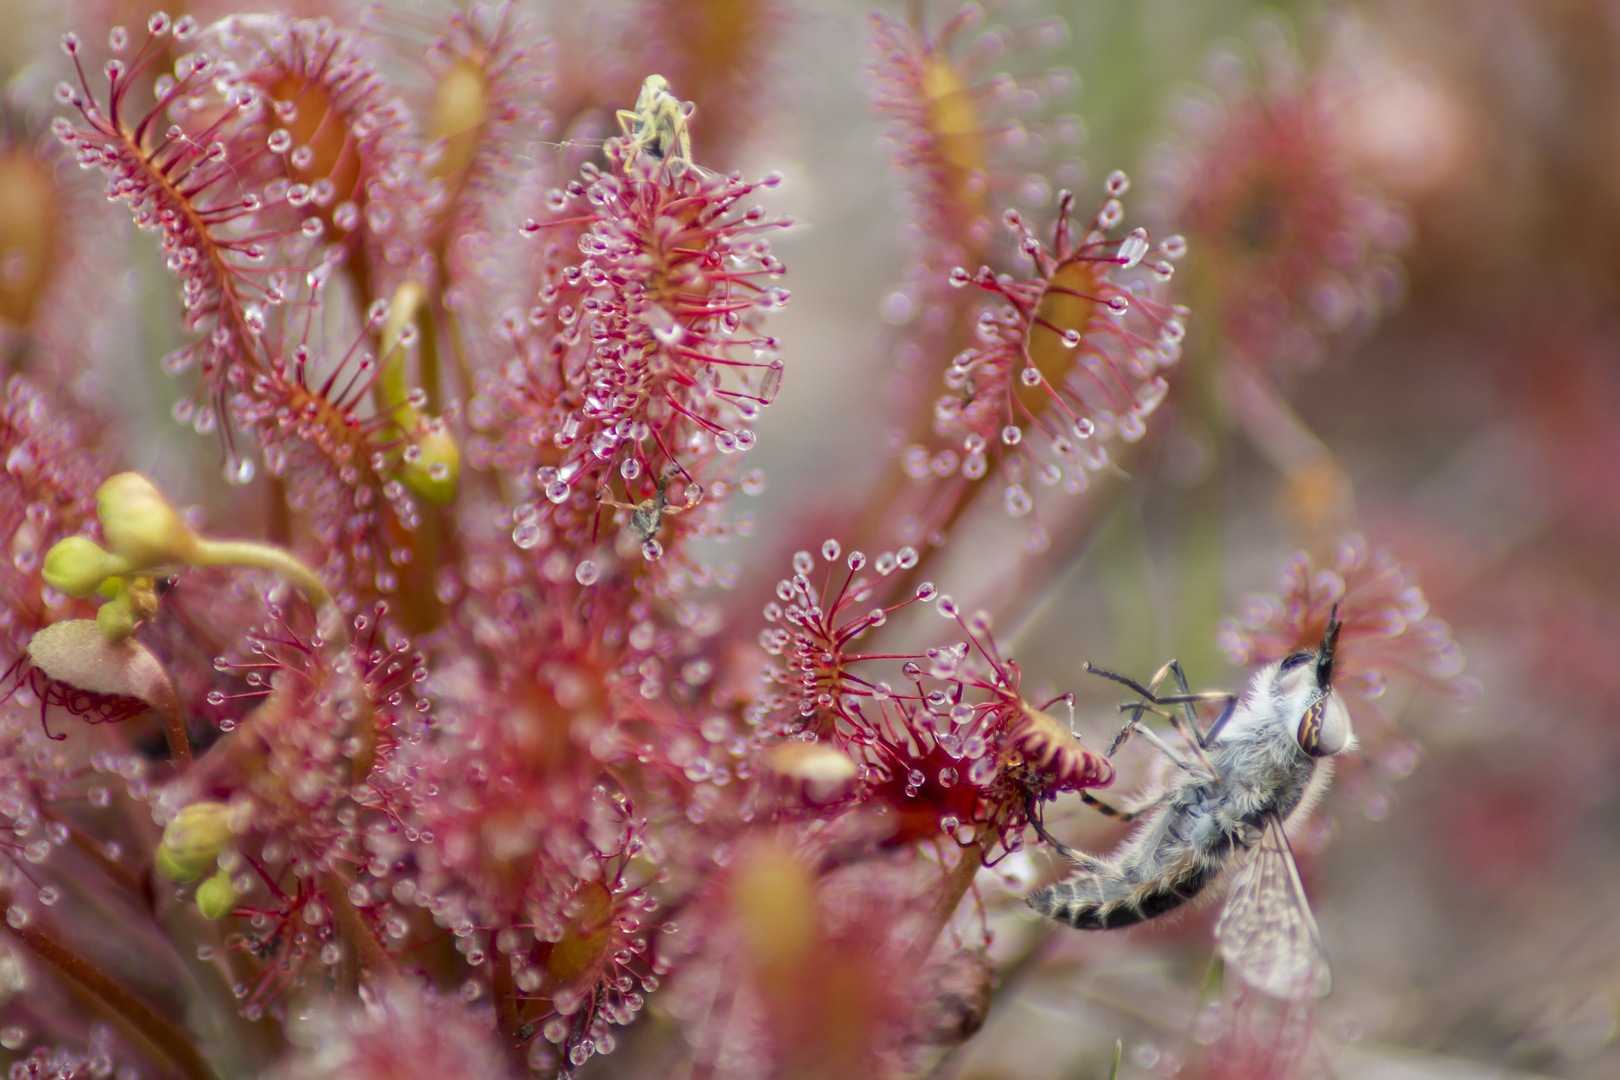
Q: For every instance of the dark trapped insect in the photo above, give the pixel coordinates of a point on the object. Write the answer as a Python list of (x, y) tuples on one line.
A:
[(1260, 764)]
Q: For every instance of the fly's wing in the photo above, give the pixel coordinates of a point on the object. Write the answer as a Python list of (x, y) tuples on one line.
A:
[(1267, 932)]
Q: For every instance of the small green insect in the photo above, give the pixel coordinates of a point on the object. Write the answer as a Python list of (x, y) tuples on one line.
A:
[(657, 125)]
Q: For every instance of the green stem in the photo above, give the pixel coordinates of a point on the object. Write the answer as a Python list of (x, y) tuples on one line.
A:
[(264, 557), (409, 300), (428, 361), (458, 353)]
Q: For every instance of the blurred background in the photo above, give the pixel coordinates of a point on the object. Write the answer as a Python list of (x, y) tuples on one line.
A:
[(1404, 231)]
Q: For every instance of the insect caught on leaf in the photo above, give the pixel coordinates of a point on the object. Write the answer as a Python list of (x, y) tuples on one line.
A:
[(647, 516), (1259, 765), (657, 125)]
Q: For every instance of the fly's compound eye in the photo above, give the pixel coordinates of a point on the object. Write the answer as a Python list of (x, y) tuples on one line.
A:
[(1324, 730)]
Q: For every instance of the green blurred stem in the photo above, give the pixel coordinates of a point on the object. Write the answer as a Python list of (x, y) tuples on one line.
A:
[(428, 360), (1200, 599), (458, 352), (409, 304), (1200, 591), (264, 557)]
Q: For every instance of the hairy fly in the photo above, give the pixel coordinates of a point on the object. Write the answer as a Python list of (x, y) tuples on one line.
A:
[(1261, 763)]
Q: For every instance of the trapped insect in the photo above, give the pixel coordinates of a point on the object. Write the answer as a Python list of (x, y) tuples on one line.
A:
[(657, 125), (647, 516), (1259, 765)]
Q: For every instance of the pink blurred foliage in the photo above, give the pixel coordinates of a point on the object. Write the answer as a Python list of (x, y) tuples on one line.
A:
[(498, 766), (1387, 628), (1263, 178)]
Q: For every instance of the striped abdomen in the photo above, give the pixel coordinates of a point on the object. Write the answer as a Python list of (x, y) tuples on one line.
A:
[(1095, 901)]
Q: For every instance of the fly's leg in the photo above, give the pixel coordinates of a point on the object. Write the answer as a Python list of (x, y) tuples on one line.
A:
[(1103, 808), (1186, 727), (1174, 668), (1226, 714), (1136, 709), (1124, 733), (1113, 811), (1123, 680), (1134, 724), (1164, 748), (1187, 699), (1227, 701), (1191, 733), (1089, 863)]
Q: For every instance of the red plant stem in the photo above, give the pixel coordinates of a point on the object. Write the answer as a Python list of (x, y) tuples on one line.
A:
[(508, 1007), (89, 846), (956, 886), (174, 730), (115, 999), (359, 936)]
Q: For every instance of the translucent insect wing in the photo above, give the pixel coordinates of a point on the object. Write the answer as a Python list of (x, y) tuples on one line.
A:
[(1266, 932)]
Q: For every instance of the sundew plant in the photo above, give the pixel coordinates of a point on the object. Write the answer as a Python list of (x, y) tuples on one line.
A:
[(472, 605)]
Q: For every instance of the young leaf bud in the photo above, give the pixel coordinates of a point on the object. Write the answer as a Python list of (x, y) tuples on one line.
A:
[(193, 840), (140, 525), (78, 566), (128, 605), (216, 896), (115, 620)]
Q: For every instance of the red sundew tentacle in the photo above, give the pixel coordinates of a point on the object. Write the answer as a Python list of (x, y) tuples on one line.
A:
[(652, 366), (309, 803), (701, 421), (969, 750), (1072, 347), (92, 708)]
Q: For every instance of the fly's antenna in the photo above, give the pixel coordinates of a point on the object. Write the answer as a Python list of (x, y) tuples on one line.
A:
[(1324, 655)]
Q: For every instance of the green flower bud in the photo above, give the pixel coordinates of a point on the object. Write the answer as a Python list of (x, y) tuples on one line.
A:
[(216, 897), (115, 619), (438, 464), (173, 869), (140, 525), (193, 840), (78, 566)]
